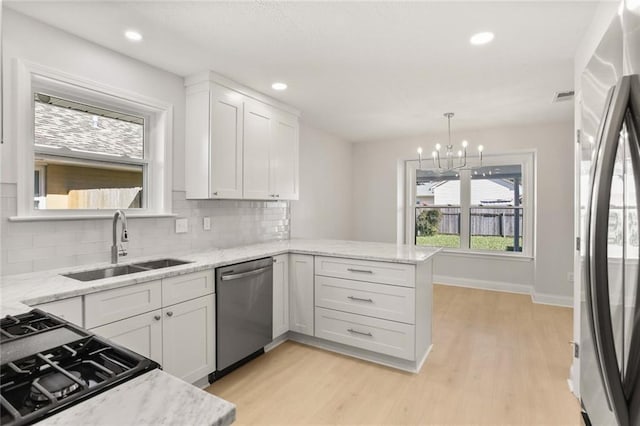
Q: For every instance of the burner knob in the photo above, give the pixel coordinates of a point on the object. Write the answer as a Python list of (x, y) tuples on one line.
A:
[(157, 317), (169, 314)]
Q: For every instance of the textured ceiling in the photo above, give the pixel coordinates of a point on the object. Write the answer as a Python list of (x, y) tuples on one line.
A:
[(360, 70)]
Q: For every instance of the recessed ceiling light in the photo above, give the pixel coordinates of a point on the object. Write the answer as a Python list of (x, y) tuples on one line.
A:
[(133, 35), (279, 86), (481, 38)]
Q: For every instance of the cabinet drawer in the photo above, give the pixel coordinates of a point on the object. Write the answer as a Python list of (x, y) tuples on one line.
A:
[(113, 305), (187, 287), (382, 336), (365, 270), (358, 297), (67, 309)]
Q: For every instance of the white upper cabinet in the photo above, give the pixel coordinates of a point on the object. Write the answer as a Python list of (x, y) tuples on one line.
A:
[(284, 157), (226, 143), (239, 143), (258, 130), (213, 147)]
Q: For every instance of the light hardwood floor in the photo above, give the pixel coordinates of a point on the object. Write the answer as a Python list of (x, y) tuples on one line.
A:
[(497, 358)]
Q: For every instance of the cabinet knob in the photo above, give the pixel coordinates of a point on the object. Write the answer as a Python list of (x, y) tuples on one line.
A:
[(277, 195), (215, 193), (169, 314), (157, 317)]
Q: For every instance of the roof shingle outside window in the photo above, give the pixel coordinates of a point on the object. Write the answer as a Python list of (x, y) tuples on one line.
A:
[(77, 130)]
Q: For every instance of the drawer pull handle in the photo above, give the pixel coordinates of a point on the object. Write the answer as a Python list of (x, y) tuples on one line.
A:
[(157, 317), (363, 271), (360, 299), (351, 330), (169, 314)]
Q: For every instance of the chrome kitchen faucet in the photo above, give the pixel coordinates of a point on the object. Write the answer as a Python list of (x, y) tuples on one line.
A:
[(117, 249)]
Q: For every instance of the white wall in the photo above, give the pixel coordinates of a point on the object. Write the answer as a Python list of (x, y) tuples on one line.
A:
[(375, 206), (325, 208)]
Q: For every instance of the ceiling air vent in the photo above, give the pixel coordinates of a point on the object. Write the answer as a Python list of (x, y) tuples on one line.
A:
[(563, 96)]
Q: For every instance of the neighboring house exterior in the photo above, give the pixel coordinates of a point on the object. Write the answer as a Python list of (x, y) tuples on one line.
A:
[(63, 182), (483, 192)]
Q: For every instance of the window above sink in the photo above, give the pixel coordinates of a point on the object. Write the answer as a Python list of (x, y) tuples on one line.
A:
[(87, 149)]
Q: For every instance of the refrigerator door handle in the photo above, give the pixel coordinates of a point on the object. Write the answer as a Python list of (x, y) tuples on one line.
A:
[(597, 261), (632, 372)]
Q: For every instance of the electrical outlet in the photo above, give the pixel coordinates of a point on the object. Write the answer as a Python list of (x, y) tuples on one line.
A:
[(570, 277), (182, 226), (206, 223)]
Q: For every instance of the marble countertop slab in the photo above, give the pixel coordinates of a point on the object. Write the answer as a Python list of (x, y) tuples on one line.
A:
[(154, 398), (18, 292)]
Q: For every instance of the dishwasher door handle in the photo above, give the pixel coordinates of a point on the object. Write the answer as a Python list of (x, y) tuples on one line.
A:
[(230, 277)]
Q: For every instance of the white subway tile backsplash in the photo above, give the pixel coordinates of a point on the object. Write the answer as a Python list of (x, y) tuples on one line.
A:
[(16, 268), (31, 246)]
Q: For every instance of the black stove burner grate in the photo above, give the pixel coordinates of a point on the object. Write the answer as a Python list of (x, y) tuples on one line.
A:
[(12, 327), (42, 384)]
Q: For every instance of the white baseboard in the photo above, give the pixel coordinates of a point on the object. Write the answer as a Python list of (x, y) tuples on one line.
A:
[(539, 298), (482, 284), (552, 299)]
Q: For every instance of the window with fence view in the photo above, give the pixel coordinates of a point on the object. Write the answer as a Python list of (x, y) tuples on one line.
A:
[(86, 157), (485, 204)]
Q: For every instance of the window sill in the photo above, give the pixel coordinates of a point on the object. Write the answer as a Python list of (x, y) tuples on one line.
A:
[(45, 218), (487, 254)]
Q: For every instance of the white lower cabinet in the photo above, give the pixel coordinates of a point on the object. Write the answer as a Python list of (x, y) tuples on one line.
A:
[(171, 321), (141, 334), (67, 309), (280, 295), (373, 334), (301, 293), (188, 338)]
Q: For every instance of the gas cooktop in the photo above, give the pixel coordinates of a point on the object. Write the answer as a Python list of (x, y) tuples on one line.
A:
[(49, 364)]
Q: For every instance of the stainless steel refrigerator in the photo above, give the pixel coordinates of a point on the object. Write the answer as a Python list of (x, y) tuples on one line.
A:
[(610, 248)]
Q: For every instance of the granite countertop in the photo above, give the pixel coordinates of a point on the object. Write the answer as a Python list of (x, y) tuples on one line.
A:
[(18, 292), (155, 398)]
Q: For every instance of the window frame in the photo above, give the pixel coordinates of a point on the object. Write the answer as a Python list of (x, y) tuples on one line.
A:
[(525, 159), (158, 122)]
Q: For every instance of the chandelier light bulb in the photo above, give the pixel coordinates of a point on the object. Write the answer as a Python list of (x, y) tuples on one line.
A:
[(434, 154), (480, 148), (459, 153), (465, 144), (420, 150), (438, 146)]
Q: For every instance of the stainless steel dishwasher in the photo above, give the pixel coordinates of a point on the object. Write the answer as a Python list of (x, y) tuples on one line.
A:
[(244, 309)]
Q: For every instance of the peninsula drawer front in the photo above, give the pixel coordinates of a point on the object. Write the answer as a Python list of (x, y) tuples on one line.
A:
[(365, 270), (186, 287), (375, 300), (113, 305), (385, 337)]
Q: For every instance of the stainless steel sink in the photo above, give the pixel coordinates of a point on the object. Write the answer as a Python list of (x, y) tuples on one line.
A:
[(114, 271), (160, 263)]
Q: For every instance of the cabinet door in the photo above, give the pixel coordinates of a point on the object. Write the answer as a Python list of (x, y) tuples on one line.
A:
[(284, 157), (280, 295), (226, 143), (301, 293), (67, 309), (258, 122), (188, 331), (197, 142), (141, 334)]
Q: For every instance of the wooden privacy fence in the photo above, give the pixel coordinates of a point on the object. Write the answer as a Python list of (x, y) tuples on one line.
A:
[(484, 221)]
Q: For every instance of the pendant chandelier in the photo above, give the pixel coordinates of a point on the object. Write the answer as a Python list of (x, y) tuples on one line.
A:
[(449, 160)]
